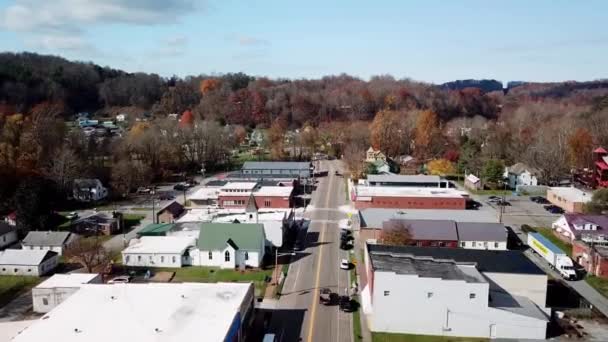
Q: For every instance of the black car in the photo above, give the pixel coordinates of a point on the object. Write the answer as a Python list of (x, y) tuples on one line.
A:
[(347, 304), (553, 209), (166, 197), (180, 187)]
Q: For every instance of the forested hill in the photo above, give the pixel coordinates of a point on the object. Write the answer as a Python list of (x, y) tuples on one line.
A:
[(28, 80)]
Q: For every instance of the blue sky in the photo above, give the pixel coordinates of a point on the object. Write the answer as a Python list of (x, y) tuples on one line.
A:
[(434, 41)]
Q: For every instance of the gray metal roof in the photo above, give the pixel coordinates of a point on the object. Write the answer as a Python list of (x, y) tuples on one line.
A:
[(403, 178), (24, 257), (45, 238), (440, 230), (276, 165), (374, 217), (478, 231), (486, 261), (423, 267)]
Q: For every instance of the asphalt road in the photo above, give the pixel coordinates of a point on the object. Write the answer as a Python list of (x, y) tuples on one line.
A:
[(316, 267)]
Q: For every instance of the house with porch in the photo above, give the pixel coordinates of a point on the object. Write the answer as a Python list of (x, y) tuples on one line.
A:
[(159, 251)]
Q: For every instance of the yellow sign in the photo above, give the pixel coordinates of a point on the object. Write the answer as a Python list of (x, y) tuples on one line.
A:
[(349, 215), (540, 247)]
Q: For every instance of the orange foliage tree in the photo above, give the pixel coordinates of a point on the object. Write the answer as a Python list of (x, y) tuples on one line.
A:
[(440, 167), (209, 85), (427, 135), (580, 144)]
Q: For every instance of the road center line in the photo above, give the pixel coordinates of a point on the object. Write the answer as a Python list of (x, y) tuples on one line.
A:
[(315, 298)]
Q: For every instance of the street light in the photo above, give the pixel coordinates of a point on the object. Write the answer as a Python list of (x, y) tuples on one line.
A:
[(276, 262)]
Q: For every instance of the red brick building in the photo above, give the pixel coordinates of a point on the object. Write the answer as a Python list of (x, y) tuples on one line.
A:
[(593, 258), (408, 198), (236, 195)]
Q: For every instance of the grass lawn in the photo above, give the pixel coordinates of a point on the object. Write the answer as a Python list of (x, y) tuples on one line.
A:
[(601, 285), (358, 337), (548, 233), (213, 275), (384, 337), (131, 220), (346, 189), (12, 286)]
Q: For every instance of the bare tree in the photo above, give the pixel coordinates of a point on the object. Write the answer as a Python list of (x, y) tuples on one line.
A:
[(90, 253)]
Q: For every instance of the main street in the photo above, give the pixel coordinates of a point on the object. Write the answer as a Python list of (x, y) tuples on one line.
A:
[(315, 267)]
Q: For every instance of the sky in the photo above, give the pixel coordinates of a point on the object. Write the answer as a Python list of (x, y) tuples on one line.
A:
[(432, 41)]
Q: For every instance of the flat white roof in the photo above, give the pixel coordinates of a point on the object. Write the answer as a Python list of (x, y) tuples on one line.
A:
[(205, 194), (159, 244), (142, 312), (404, 178), (572, 194), (8, 330), (239, 185), (374, 217), (24, 257), (67, 280), (274, 191), (399, 191)]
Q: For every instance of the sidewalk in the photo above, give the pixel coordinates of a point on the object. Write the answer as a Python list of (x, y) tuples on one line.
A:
[(271, 288), (366, 335)]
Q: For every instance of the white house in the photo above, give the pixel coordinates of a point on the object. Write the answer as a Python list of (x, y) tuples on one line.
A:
[(58, 288), (27, 262), (8, 234), (159, 251), (88, 190), (11, 219), (230, 245), (122, 117), (520, 174), (48, 240), (446, 298), (592, 229), (373, 155)]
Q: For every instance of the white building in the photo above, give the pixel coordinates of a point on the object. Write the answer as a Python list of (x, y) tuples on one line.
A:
[(88, 190), (122, 117), (520, 174), (25, 262), (159, 312), (58, 288), (477, 235), (8, 234), (230, 245), (159, 251), (203, 197), (495, 297), (48, 241)]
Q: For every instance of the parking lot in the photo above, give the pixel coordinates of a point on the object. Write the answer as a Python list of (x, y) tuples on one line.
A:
[(521, 211)]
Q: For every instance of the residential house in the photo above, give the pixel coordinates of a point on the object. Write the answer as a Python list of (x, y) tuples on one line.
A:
[(472, 182), (159, 251), (571, 199), (25, 262), (159, 312), (100, 223), (373, 155), (454, 292), (381, 166), (521, 174), (11, 219), (8, 235), (170, 212), (591, 229), (53, 291), (57, 242), (88, 190), (593, 258), (600, 167), (256, 137), (230, 245)]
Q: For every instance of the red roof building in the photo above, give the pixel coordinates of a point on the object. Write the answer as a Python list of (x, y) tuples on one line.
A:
[(600, 156)]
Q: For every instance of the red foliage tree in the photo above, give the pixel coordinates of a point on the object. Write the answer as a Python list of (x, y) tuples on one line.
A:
[(187, 119)]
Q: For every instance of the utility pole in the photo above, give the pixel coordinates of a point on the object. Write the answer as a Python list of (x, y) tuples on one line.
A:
[(153, 215)]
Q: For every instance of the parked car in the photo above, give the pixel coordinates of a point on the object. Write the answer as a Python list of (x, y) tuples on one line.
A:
[(166, 197), (494, 198), (180, 187), (120, 280), (553, 209), (503, 203), (344, 264), (72, 216), (143, 190), (328, 298), (347, 304)]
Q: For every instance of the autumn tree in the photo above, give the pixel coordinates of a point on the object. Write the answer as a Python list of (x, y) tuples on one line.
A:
[(208, 85), (395, 233), (427, 135), (390, 132), (580, 144), (63, 168), (276, 139), (598, 204), (440, 167), (90, 253), (187, 119)]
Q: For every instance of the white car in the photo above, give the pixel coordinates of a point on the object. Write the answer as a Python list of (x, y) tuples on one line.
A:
[(344, 264), (120, 280)]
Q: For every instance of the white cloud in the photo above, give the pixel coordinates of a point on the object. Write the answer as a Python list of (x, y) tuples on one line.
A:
[(69, 15), (246, 40), (172, 46), (59, 42)]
